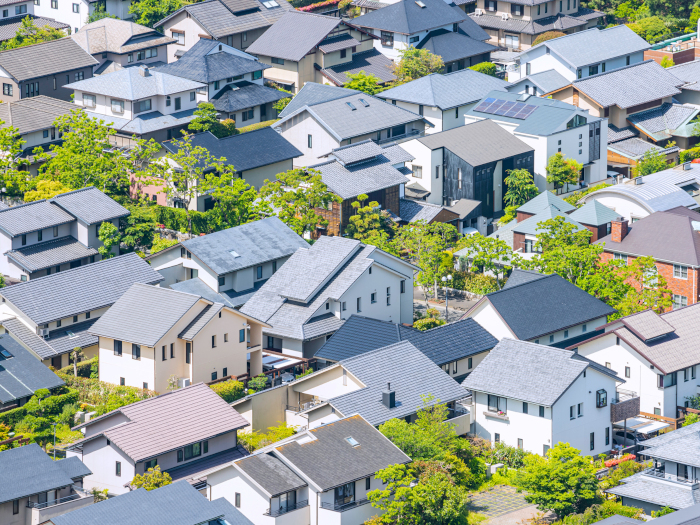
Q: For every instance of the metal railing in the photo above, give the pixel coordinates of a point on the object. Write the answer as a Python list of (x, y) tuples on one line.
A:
[(623, 395), (410, 134), (287, 509), (343, 506), (304, 406), (78, 494), (659, 473)]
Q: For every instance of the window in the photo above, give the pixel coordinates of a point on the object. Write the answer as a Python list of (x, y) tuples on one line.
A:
[(193, 96), (685, 374), (180, 37), (660, 381), (541, 411), (179, 455), (566, 334), (130, 58), (497, 438), (680, 272), (692, 372), (373, 297), (206, 444), (592, 440), (172, 350), (244, 36), (122, 381), (135, 351), (24, 239), (568, 4), (579, 411), (118, 469), (274, 266), (516, 10), (491, 5), (241, 335), (657, 411), (367, 483), (627, 60), (524, 407), (193, 451), (343, 53), (572, 412), (309, 141), (270, 342), (413, 39), (237, 499), (620, 257), (31, 89), (454, 367), (579, 74), (163, 358), (497, 404), (344, 306), (117, 348), (276, 60), (150, 464), (80, 75), (117, 106), (258, 272), (560, 5), (583, 328), (142, 105), (257, 75), (213, 376), (178, 103), (222, 280), (76, 8), (459, 178), (54, 4), (168, 101), (551, 338), (15, 506), (387, 38), (679, 301), (403, 287), (7, 89), (520, 443), (359, 304), (213, 341), (418, 172), (538, 11), (345, 494), (607, 436), (469, 363)]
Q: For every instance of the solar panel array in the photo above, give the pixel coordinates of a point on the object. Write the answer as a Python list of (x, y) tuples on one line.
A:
[(497, 106)]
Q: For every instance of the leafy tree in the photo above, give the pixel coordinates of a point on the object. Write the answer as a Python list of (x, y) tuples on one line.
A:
[(691, 419), (488, 254), (666, 61), (148, 12), (622, 471), (252, 440), (651, 162), (561, 171), (76, 355), (257, 383), (4, 435), (229, 390), (153, 479), (368, 83), (662, 512), (694, 16), (487, 68), (416, 63), (510, 456), (161, 243), (281, 104), (139, 227), (649, 288), (29, 33), (296, 195), (13, 178), (370, 222), (45, 189), (549, 35), (235, 204), (109, 235), (564, 482), (207, 120), (427, 323), (99, 13), (99, 495), (521, 187), (652, 29), (557, 232)]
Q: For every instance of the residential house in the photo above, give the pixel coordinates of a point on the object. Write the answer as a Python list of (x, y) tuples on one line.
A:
[(230, 265), (549, 127), (434, 25), (469, 163), (21, 374), (540, 84), (34, 118), (534, 407), (414, 210), (293, 481), (76, 14), (138, 102), (442, 99), (174, 503), (456, 347), (305, 47), (654, 353), (364, 168), (313, 93), (676, 255), (626, 150), (317, 128), (688, 72), (192, 339), (236, 23), (319, 287), (662, 191), (598, 219), (117, 44), (673, 480), (234, 81), (184, 427), (565, 314), (581, 54), (43, 69), (50, 316), (47, 236), (12, 18), (379, 385), (40, 488)]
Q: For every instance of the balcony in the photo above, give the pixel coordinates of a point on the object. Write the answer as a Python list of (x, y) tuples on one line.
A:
[(410, 134), (286, 510), (296, 409), (624, 404), (660, 474), (460, 418), (497, 415), (342, 507), (42, 512)]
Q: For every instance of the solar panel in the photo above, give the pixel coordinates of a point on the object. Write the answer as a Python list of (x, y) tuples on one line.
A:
[(526, 112), (484, 104), (504, 108), (515, 109), (493, 107)]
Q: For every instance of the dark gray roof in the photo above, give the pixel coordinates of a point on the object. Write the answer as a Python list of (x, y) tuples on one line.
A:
[(445, 91), (408, 370), (407, 17), (478, 143), (312, 93), (350, 153), (528, 381), (178, 502), (451, 46), (336, 43), (372, 62), (32, 216), (545, 81), (63, 340), (244, 94), (558, 22), (46, 58), (684, 449), (232, 515), (79, 290), (519, 276), (200, 321), (90, 205), (560, 305), (618, 520), (245, 151), (471, 28), (635, 147), (34, 114), (411, 210), (196, 471), (22, 374), (593, 213), (322, 325), (9, 26), (365, 177), (74, 468), (50, 253), (202, 66), (688, 72), (329, 460), (615, 133), (687, 516), (443, 344), (270, 473), (28, 470)]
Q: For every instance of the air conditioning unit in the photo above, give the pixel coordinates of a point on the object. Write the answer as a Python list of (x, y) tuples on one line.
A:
[(183, 382), (478, 12), (43, 332), (504, 16)]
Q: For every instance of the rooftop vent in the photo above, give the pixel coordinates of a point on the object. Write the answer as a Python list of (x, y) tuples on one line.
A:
[(144, 71), (639, 180), (524, 97), (352, 441), (420, 4), (350, 105), (687, 166), (234, 253), (389, 397)]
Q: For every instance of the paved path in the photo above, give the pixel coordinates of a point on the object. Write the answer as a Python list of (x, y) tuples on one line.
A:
[(454, 301), (498, 501), (419, 306)]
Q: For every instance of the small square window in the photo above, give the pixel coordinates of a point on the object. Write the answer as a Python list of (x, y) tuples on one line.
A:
[(541, 411), (225, 338)]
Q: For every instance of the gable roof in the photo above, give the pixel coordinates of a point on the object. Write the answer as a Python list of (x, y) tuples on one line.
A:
[(22, 374), (411, 210), (452, 46), (34, 114), (110, 35), (543, 201), (32, 216), (90, 205), (560, 306), (372, 62), (688, 73), (79, 290), (519, 276), (312, 93), (244, 94), (593, 213), (529, 381), (269, 473), (407, 17), (445, 91), (46, 58), (665, 121), (59, 341), (478, 142), (169, 421), (545, 81)]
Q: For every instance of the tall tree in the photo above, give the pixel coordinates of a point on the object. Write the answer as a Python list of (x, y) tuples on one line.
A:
[(652, 161), (490, 255), (152, 479), (109, 236), (235, 204), (99, 13), (521, 187), (368, 83), (371, 224), (416, 63), (14, 179), (29, 33), (561, 171), (148, 12), (206, 119), (45, 189)]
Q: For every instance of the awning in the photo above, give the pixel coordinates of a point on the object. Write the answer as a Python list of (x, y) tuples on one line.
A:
[(642, 425)]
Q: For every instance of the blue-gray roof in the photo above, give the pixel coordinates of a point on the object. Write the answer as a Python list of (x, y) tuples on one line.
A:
[(90, 205), (543, 201), (445, 91), (545, 81), (662, 493), (531, 225), (411, 210), (372, 62), (519, 276), (665, 121), (243, 94), (245, 151), (635, 147), (452, 46), (32, 216), (50, 253), (146, 122), (230, 298), (28, 470), (22, 374), (594, 214), (408, 17), (312, 93), (74, 468)]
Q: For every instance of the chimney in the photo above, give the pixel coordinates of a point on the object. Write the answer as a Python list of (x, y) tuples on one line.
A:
[(389, 397), (144, 71), (618, 230)]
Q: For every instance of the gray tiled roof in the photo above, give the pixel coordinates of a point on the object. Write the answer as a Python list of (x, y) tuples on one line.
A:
[(312, 93), (90, 205), (34, 114), (74, 468), (270, 473), (51, 253), (445, 91), (396, 154), (664, 122), (470, 28), (545, 81), (130, 320), (150, 122), (337, 43), (22, 374), (594, 214), (130, 84), (28, 337), (32, 216), (630, 86), (635, 147), (408, 370), (689, 73), (111, 35), (615, 133), (28, 470), (241, 95), (322, 325), (407, 17), (372, 62), (9, 26), (169, 421), (451, 46), (519, 276), (478, 143), (529, 381), (294, 35), (230, 298), (366, 177), (497, 22), (657, 491), (684, 449), (543, 201), (647, 325), (330, 461), (200, 321), (46, 58), (367, 149), (414, 210), (79, 290)]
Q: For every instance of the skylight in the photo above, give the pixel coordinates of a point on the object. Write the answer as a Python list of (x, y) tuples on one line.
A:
[(351, 106), (364, 102), (71, 335), (352, 441), (4, 354), (234, 253), (270, 4)]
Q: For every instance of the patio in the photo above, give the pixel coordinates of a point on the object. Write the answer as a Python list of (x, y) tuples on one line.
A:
[(498, 501)]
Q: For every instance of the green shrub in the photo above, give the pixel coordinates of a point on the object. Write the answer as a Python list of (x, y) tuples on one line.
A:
[(259, 125), (690, 154), (508, 455), (663, 511), (96, 392), (51, 406), (84, 368), (428, 322), (176, 219), (252, 440), (477, 283), (161, 243), (577, 195), (598, 512), (487, 68), (229, 390), (257, 383)]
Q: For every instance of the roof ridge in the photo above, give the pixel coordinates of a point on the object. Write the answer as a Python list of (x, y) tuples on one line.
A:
[(23, 205), (544, 276), (72, 191), (377, 350)]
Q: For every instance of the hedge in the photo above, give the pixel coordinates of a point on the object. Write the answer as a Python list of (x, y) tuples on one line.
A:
[(96, 392), (487, 68), (259, 125), (690, 154), (229, 390), (84, 368), (176, 219), (52, 406)]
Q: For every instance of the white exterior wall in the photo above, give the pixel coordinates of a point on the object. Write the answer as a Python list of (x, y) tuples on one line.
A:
[(574, 331), (101, 459), (431, 114), (192, 30), (627, 207), (65, 13), (426, 159), (254, 502), (486, 315), (322, 142)]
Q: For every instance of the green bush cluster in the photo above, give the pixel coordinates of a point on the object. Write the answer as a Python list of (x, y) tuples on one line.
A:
[(690, 154), (477, 283), (487, 68), (105, 396), (510, 456), (52, 406), (599, 512), (229, 390), (176, 219), (578, 195), (84, 368), (259, 125)]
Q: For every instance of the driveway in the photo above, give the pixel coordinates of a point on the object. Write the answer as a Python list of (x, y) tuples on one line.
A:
[(503, 505), (457, 305)]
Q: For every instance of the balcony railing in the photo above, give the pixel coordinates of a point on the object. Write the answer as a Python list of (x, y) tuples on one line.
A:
[(304, 406), (659, 473), (78, 494), (344, 506), (410, 134), (287, 509)]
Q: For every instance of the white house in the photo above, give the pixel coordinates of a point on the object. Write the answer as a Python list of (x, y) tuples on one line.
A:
[(309, 297), (534, 396), (320, 475), (76, 12), (185, 427)]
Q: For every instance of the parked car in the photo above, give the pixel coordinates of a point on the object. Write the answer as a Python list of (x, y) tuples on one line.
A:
[(632, 438)]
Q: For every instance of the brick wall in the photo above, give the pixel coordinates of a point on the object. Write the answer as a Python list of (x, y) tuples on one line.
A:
[(680, 57), (598, 232), (521, 216), (519, 242)]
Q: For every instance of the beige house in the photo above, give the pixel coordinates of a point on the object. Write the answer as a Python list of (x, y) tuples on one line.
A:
[(152, 337)]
